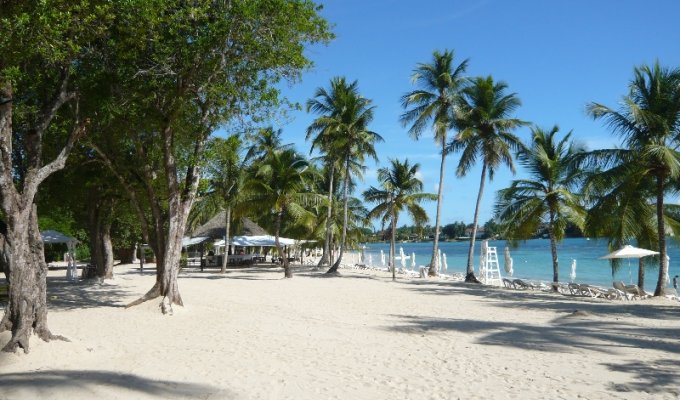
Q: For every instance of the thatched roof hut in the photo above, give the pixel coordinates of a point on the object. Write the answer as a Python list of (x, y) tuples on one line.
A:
[(215, 229)]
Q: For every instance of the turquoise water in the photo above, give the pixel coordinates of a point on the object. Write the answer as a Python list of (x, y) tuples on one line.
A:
[(532, 260)]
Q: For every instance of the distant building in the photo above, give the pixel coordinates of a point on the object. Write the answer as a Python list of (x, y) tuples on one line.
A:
[(481, 232)]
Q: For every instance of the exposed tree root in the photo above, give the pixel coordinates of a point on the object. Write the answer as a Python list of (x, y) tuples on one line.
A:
[(20, 339), (153, 293), (471, 278), (334, 268), (166, 305)]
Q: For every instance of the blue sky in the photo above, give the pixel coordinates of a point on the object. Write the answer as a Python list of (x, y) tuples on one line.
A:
[(556, 55)]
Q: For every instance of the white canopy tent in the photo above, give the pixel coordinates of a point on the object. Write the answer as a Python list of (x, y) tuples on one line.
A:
[(260, 240), (187, 241), (51, 237)]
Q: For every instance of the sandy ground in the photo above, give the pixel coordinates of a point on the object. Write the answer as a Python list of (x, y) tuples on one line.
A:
[(249, 334)]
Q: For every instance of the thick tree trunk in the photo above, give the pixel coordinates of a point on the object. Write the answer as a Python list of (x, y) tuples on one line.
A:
[(26, 310), (663, 271), (95, 233), (227, 228), (470, 276), (107, 250), (101, 248), (343, 238), (433, 270), (325, 256)]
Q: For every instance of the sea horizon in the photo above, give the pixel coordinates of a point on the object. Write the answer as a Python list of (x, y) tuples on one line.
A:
[(532, 260)]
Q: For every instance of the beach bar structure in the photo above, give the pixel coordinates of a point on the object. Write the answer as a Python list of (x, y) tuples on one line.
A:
[(251, 244)]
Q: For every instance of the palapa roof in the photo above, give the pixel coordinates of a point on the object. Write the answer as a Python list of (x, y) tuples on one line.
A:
[(215, 229)]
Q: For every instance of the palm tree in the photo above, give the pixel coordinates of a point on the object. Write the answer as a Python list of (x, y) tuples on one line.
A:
[(621, 210), (649, 124), (401, 191), (226, 172), (280, 183), (548, 196), (344, 136), (433, 104), (264, 142), (328, 103), (483, 118)]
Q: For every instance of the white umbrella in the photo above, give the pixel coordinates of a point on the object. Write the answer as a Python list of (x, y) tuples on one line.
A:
[(572, 275), (382, 258), (413, 261), (482, 259), (444, 264), (370, 260), (402, 257), (629, 252)]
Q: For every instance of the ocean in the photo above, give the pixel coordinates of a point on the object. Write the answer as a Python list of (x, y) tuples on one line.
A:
[(532, 260)]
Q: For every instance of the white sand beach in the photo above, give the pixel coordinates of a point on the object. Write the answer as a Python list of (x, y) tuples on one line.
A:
[(249, 334)]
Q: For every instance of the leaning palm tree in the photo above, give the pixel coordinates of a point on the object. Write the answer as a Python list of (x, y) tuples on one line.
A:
[(433, 105), (483, 118), (345, 137), (280, 183), (401, 191), (549, 196), (649, 124)]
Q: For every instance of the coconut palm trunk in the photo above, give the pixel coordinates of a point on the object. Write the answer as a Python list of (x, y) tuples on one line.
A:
[(641, 272), (433, 270), (227, 228), (392, 246), (287, 271), (336, 265), (553, 251), (663, 272), (470, 276), (326, 256)]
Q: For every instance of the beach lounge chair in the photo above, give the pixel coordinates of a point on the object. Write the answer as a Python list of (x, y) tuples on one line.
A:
[(520, 284), (630, 291), (575, 289), (507, 283)]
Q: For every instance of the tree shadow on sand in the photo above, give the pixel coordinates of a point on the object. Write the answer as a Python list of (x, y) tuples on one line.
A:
[(568, 333), (650, 377), (538, 300), (564, 334), (48, 383), (65, 295)]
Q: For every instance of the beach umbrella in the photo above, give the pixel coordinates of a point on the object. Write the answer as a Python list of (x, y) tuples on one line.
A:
[(413, 261), (572, 275), (382, 258), (402, 257), (444, 264), (370, 260), (482, 259), (508, 261), (439, 260), (629, 252)]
